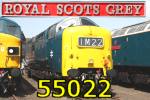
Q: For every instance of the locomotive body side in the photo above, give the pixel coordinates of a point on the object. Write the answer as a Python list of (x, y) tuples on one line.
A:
[(54, 52), (131, 58), (40, 47), (131, 50)]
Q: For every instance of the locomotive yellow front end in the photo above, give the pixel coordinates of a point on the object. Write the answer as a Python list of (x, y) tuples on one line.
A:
[(11, 38), (86, 50), (9, 51)]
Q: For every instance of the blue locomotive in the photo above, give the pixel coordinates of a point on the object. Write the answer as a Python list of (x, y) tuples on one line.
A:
[(73, 47), (131, 53)]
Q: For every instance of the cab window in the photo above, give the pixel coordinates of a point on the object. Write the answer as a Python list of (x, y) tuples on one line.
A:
[(67, 23), (8, 27)]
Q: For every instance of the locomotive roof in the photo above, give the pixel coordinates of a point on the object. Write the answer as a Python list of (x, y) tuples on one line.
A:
[(40, 35), (17, 32), (132, 29), (8, 20), (77, 18), (67, 22)]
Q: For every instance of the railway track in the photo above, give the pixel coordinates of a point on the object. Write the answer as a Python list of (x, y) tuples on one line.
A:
[(119, 93), (13, 97)]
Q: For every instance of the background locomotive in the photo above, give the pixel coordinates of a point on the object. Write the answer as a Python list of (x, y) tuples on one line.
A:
[(74, 47), (131, 53), (11, 38)]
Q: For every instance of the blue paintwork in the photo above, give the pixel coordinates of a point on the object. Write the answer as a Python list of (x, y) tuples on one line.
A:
[(135, 51), (40, 49), (43, 49), (55, 44)]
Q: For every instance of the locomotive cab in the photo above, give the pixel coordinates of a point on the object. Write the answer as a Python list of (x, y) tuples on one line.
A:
[(11, 38)]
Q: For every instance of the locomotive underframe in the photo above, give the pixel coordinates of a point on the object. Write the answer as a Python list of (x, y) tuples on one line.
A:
[(47, 74), (10, 79), (133, 74), (35, 70)]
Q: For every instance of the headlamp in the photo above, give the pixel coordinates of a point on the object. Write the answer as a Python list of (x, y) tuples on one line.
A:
[(13, 51)]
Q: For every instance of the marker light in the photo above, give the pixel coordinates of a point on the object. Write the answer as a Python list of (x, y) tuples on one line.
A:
[(11, 51)]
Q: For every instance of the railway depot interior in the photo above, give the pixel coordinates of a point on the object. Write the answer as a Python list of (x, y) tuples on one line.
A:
[(130, 69)]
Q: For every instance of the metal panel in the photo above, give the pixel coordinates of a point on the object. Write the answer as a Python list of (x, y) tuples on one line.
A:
[(120, 32), (134, 52), (54, 52), (137, 28)]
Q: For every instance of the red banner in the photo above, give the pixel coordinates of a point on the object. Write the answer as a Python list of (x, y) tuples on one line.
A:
[(73, 9)]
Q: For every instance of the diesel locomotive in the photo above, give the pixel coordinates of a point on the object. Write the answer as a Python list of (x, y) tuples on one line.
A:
[(131, 53), (74, 47), (11, 38)]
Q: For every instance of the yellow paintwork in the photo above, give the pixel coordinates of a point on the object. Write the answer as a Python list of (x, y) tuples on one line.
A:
[(7, 61), (82, 55)]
